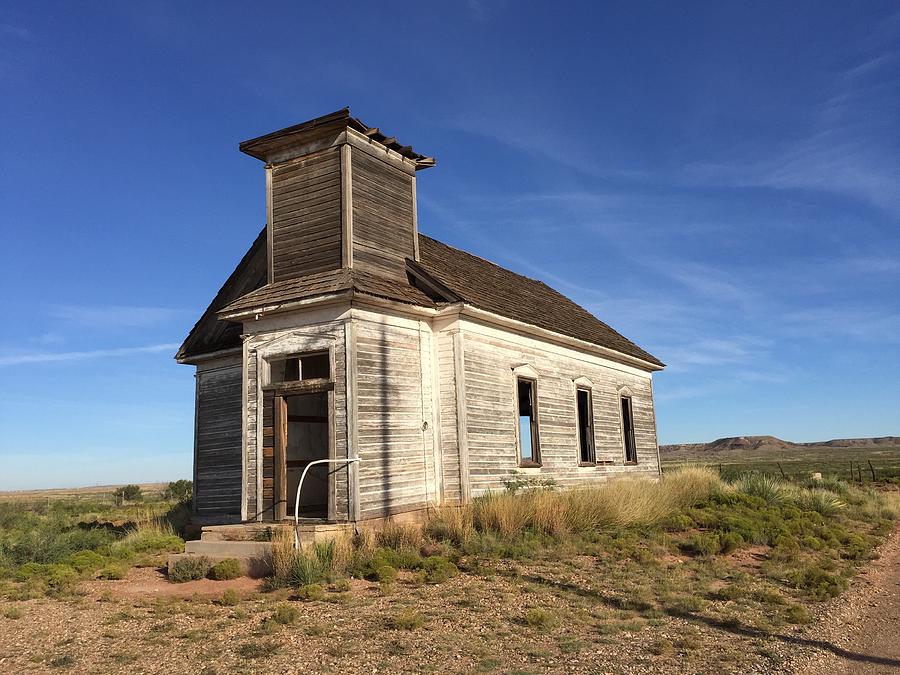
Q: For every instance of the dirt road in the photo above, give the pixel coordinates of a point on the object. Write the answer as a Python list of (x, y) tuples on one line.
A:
[(862, 636)]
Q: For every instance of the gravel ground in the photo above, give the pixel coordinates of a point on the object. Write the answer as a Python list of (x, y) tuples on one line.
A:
[(860, 632), (468, 624)]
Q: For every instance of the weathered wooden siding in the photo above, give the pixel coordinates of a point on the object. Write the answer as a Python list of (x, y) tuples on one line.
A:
[(491, 413), (383, 215), (306, 215), (217, 463), (269, 344), (393, 400), (448, 431)]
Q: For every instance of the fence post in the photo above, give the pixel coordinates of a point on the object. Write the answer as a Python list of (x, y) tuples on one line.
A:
[(778, 464), (872, 469), (859, 471)]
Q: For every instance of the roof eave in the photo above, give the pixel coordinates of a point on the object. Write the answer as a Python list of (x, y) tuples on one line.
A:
[(466, 309)]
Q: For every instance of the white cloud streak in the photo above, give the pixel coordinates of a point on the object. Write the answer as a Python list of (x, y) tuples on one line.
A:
[(121, 316), (69, 357)]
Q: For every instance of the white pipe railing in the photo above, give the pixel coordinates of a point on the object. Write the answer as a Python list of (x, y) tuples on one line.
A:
[(300, 485)]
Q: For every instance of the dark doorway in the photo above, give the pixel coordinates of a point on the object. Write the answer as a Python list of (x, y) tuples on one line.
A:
[(305, 434)]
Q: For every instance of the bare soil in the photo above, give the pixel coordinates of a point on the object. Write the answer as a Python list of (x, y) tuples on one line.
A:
[(560, 617), (860, 632)]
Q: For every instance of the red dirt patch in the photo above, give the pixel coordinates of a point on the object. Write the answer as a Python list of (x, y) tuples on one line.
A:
[(750, 558), (151, 582)]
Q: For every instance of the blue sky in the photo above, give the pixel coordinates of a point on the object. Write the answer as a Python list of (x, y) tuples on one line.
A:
[(719, 181)]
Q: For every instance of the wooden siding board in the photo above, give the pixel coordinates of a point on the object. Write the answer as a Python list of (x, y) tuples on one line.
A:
[(491, 414), (306, 216), (393, 400), (383, 220), (218, 465)]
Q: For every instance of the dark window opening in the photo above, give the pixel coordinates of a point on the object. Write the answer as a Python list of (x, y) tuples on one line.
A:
[(304, 367), (529, 449), (585, 427), (628, 431)]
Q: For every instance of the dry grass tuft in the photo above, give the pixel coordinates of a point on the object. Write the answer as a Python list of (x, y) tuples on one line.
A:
[(621, 502)]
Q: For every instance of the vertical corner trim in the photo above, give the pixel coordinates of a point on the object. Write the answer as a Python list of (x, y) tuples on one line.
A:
[(196, 435), (346, 207), (415, 222), (245, 509), (462, 438), (352, 422), (270, 262), (655, 428)]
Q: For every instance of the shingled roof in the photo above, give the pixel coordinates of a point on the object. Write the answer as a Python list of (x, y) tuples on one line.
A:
[(327, 283), (464, 277), (210, 334), (492, 288)]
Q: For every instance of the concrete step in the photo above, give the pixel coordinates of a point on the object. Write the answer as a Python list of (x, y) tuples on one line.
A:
[(230, 549)]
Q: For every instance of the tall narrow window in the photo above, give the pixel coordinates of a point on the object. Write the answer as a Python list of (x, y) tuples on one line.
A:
[(628, 431), (585, 426), (529, 447)]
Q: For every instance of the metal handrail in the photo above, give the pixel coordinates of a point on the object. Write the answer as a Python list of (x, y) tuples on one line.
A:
[(300, 485)]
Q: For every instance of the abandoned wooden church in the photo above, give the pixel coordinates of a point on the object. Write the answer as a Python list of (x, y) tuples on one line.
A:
[(421, 373)]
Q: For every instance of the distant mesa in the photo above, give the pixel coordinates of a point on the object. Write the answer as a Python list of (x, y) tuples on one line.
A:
[(770, 443)]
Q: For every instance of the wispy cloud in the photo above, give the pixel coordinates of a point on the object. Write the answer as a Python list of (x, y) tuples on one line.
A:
[(844, 152), (123, 316), (865, 325), (28, 358)]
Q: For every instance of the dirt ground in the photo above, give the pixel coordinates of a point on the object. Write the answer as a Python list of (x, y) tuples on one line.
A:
[(544, 617), (860, 634)]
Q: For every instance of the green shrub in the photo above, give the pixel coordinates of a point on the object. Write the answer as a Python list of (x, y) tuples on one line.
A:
[(85, 561), (128, 493), (821, 501), (12, 612), (812, 543), (230, 598), (189, 569), (661, 647), (768, 596), (785, 549), (685, 604), (817, 583), (771, 490), (225, 570), (401, 559), (538, 618), (730, 541), (311, 592), (706, 544), (730, 592), (854, 547), (56, 577), (384, 573), (436, 570), (285, 614), (256, 649), (798, 614), (113, 572), (677, 523), (407, 619), (179, 491)]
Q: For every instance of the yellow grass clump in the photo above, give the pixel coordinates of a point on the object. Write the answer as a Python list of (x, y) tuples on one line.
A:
[(620, 502)]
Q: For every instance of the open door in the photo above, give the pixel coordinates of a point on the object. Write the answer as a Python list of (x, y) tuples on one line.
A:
[(306, 430)]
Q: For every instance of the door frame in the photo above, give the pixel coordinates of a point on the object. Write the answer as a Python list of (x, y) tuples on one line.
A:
[(279, 417)]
